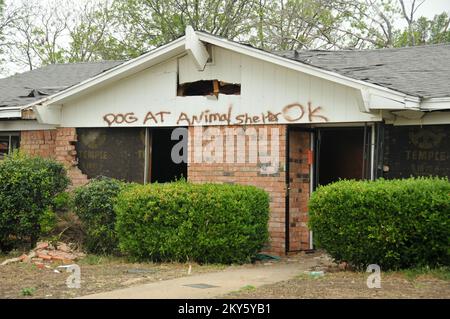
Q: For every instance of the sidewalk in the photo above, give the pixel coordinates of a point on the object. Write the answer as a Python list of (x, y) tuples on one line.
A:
[(210, 285)]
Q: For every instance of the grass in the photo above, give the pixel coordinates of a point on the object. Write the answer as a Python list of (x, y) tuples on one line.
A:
[(442, 273), (246, 288), (102, 260), (27, 291)]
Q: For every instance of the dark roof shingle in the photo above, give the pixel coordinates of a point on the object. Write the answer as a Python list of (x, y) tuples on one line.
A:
[(25, 88), (422, 71)]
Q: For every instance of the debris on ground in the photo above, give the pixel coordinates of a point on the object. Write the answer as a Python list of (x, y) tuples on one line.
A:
[(316, 274), (45, 253)]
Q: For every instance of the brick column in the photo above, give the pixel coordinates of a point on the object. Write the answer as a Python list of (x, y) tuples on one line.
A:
[(299, 183), (249, 174)]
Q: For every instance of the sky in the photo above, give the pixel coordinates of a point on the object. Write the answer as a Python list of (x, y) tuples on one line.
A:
[(431, 7)]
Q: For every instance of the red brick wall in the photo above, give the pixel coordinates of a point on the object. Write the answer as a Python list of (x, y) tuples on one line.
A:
[(250, 174), (39, 143), (299, 183), (58, 144)]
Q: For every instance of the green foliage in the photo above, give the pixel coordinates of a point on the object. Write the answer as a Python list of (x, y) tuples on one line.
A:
[(425, 31), (442, 273), (393, 223), (27, 187), (94, 205), (207, 223), (62, 202), (27, 291), (36, 34), (47, 221)]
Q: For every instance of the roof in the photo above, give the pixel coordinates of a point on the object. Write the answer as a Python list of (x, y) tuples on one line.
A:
[(403, 74), (422, 71), (25, 88)]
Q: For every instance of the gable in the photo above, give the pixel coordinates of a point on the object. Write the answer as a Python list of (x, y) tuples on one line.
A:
[(269, 94)]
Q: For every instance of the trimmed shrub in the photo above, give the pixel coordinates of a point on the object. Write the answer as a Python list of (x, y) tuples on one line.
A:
[(392, 223), (27, 188), (94, 205), (206, 223)]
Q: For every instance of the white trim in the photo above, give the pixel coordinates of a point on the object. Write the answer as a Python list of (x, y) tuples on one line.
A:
[(121, 71), (10, 112), (48, 114), (372, 152), (196, 49), (442, 103), (23, 125), (428, 118)]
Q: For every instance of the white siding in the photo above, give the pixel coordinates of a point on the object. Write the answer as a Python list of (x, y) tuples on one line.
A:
[(264, 87)]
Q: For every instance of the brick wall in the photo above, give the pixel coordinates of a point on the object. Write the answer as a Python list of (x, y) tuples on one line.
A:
[(39, 143), (249, 174), (58, 144), (299, 183)]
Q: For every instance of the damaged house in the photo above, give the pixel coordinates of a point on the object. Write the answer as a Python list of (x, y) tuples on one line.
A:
[(318, 116)]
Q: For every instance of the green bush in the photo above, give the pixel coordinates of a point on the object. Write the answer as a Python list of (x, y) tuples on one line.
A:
[(27, 188), (62, 202), (94, 205), (392, 223), (207, 223)]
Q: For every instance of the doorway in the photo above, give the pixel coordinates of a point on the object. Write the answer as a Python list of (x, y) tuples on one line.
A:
[(342, 153), (162, 168)]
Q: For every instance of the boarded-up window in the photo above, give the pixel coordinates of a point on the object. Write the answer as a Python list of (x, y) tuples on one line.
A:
[(112, 152), (417, 151)]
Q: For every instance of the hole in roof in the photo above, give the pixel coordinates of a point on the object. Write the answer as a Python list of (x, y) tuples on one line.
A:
[(35, 93)]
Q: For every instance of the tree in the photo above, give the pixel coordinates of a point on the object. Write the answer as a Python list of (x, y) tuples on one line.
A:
[(34, 37), (33, 33), (298, 24), (426, 31), (368, 23), (92, 38), (409, 17), (160, 21)]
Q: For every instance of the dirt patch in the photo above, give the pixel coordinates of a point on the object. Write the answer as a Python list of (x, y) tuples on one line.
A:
[(22, 280), (347, 284)]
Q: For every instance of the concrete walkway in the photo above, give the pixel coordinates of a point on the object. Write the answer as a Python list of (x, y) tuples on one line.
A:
[(211, 285)]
